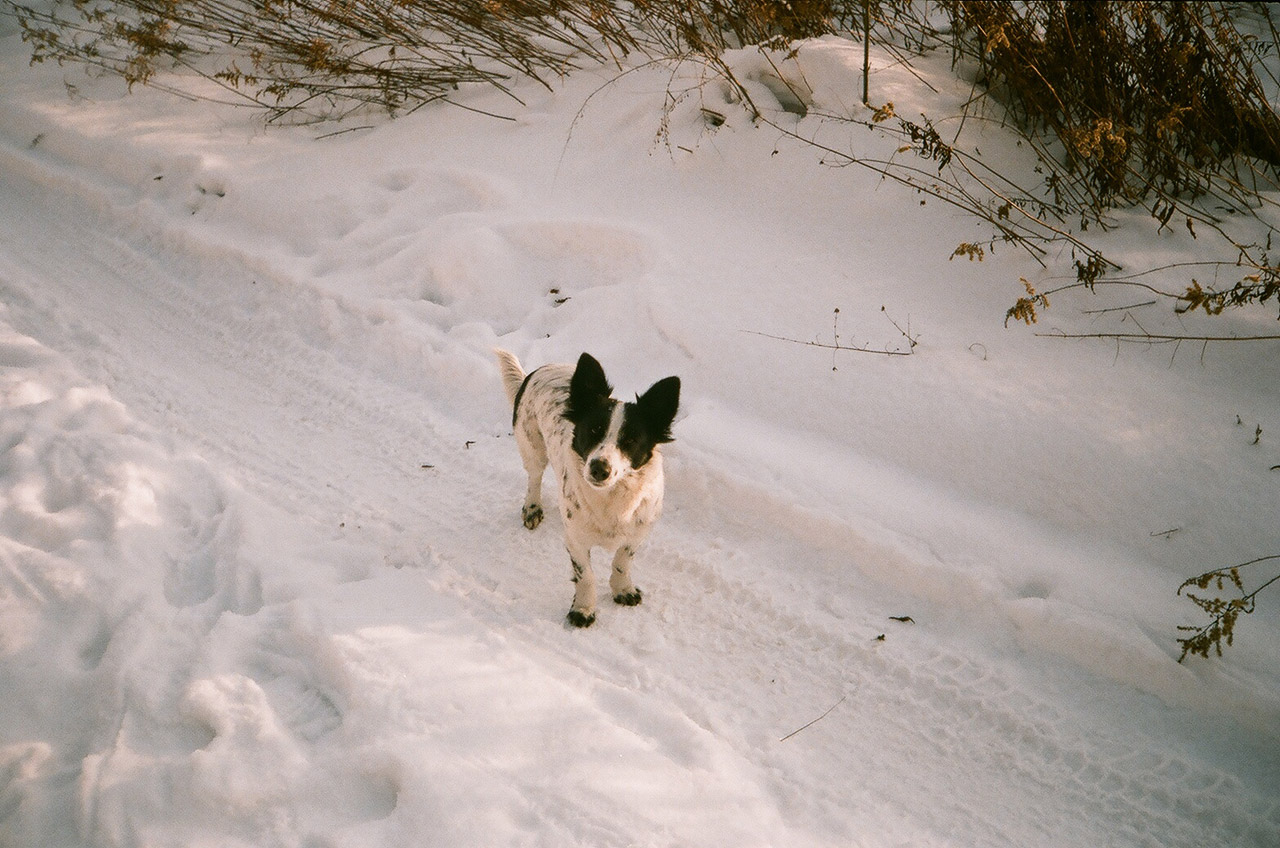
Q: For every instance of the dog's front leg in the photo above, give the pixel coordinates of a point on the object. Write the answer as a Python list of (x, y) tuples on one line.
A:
[(624, 591), (583, 611)]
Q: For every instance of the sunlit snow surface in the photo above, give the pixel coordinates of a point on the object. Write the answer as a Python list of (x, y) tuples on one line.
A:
[(263, 579)]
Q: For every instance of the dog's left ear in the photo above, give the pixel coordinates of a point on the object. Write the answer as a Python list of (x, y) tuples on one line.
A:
[(587, 388), (658, 407)]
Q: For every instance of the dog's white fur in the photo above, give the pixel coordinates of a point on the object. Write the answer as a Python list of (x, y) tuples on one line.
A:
[(615, 515)]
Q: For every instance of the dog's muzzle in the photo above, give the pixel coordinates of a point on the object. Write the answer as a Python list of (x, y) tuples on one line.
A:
[(598, 471)]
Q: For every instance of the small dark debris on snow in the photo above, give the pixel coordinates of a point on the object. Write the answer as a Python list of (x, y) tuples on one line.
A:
[(905, 619), (879, 638), (469, 443), (713, 118)]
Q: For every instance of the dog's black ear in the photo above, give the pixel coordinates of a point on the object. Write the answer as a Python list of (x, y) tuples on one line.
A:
[(658, 407), (587, 388)]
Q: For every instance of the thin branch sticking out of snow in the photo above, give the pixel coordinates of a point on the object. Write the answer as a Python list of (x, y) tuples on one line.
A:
[(816, 720)]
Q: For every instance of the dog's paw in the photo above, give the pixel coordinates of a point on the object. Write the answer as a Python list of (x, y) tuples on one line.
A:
[(532, 515), (578, 618), (629, 598)]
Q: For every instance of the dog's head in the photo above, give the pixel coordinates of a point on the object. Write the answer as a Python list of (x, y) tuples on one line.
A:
[(615, 438)]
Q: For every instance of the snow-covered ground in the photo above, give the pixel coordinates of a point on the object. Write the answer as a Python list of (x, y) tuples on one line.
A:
[(263, 580)]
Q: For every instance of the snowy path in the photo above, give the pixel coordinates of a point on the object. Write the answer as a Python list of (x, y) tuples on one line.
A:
[(281, 627)]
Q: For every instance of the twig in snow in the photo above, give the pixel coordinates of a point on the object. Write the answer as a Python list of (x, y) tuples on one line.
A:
[(344, 131), (1159, 338), (886, 352), (835, 345), (816, 720), (1118, 308)]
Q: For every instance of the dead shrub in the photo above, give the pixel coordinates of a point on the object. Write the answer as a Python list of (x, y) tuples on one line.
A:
[(1150, 102)]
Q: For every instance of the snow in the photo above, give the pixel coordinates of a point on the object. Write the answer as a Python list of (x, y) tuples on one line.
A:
[(263, 579)]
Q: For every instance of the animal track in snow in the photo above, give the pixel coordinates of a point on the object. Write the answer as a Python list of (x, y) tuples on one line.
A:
[(397, 179), (204, 551), (295, 663)]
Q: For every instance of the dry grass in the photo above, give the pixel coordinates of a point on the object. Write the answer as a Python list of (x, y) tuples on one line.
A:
[(1148, 102), (324, 58)]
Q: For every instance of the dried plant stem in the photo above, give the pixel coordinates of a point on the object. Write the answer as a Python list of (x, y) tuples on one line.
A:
[(816, 720), (1224, 612), (1159, 338), (835, 345)]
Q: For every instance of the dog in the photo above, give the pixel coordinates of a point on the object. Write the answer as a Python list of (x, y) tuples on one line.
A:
[(606, 456)]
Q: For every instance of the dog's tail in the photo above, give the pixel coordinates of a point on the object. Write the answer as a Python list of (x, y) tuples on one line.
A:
[(512, 374)]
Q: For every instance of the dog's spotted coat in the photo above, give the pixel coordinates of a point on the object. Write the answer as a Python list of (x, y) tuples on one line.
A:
[(605, 454)]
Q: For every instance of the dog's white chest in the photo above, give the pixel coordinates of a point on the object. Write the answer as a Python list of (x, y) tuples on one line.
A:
[(621, 515)]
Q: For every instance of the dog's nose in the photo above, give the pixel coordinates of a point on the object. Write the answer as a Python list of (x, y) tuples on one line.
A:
[(599, 470)]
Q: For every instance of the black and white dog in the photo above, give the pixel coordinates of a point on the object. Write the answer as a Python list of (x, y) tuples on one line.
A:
[(606, 455)]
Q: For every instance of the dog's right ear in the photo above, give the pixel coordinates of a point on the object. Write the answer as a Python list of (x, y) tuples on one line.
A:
[(587, 388)]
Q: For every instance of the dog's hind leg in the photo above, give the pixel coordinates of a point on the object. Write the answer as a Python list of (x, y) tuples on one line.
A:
[(583, 611)]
